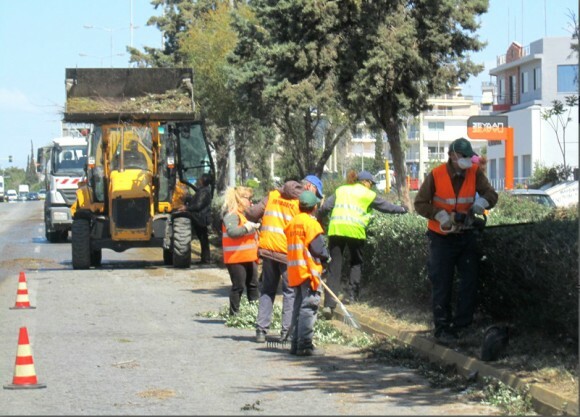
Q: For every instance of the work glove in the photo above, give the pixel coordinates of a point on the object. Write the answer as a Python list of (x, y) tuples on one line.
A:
[(444, 220), (252, 227), (479, 205)]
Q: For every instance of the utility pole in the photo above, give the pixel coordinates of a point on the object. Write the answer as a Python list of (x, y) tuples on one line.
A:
[(232, 145)]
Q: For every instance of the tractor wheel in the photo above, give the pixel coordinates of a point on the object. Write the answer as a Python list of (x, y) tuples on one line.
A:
[(181, 242), (81, 244)]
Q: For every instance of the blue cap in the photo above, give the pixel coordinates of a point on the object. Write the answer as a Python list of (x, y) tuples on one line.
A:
[(314, 180), (365, 175)]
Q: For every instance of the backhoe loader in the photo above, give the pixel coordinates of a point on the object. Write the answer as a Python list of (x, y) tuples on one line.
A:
[(147, 146)]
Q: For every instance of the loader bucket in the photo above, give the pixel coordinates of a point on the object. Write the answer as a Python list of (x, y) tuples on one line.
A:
[(115, 94)]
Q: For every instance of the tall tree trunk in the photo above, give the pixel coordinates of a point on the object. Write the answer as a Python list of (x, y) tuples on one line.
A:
[(391, 127)]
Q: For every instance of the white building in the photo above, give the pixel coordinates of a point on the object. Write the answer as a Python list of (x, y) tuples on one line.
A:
[(528, 79)]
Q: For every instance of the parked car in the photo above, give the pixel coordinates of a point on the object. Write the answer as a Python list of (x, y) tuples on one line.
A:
[(23, 196), (42, 194), (11, 195), (33, 196), (537, 196)]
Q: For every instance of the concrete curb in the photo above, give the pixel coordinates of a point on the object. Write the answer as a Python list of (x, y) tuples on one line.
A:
[(545, 402)]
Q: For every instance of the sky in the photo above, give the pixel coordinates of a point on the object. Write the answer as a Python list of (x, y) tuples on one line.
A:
[(39, 39)]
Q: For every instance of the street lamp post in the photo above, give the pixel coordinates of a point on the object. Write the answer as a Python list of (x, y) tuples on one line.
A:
[(111, 30)]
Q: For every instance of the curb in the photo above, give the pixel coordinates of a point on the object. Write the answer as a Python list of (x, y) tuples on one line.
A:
[(544, 401)]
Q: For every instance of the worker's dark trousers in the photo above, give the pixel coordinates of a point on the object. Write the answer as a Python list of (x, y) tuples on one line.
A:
[(272, 272), (447, 252), (336, 246), (203, 236), (243, 276)]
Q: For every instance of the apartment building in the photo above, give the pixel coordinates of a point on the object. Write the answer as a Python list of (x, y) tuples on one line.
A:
[(428, 136), (527, 80)]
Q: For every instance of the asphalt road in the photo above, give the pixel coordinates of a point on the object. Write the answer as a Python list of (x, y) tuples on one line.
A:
[(128, 339)]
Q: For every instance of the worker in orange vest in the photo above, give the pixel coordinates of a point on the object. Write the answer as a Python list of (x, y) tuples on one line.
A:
[(240, 246), (447, 196), (306, 254), (275, 211)]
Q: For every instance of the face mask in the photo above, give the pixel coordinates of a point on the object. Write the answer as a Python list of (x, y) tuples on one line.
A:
[(464, 163)]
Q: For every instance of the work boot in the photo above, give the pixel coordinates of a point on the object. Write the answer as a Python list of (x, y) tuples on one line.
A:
[(260, 336), (310, 352), (327, 313), (446, 337), (284, 336)]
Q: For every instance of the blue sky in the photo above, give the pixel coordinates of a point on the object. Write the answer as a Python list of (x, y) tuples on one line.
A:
[(40, 38)]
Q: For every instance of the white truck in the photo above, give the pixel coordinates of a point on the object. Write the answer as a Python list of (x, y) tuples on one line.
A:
[(62, 164), (23, 190)]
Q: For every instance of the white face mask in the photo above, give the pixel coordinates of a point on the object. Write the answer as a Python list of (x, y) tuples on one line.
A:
[(464, 163)]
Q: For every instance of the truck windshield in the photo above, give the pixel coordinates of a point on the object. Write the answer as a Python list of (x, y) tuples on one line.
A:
[(70, 160)]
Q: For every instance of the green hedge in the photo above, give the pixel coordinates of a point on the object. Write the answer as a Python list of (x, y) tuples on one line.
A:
[(528, 273)]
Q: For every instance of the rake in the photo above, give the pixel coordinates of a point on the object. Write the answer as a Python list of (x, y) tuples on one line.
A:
[(348, 317), (279, 341)]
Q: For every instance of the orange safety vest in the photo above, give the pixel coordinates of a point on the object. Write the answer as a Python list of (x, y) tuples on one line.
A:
[(239, 249), (277, 214), (445, 197), (300, 232)]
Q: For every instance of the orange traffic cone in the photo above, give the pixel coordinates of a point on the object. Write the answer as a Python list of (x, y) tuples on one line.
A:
[(24, 374), (22, 300)]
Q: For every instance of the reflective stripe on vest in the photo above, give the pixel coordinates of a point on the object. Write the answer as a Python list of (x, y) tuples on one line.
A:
[(300, 232), (239, 249), (277, 214), (351, 215), (445, 197)]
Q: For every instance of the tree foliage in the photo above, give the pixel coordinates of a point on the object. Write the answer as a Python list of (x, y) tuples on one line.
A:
[(284, 68), (312, 69), (395, 54)]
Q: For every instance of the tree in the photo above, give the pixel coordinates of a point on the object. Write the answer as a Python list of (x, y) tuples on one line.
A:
[(558, 117), (284, 69), (173, 24), (575, 46), (394, 54), (31, 177), (198, 34)]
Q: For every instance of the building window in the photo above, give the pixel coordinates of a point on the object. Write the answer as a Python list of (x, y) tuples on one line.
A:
[(516, 167), (437, 126), (513, 90), (524, 82), (526, 166), (567, 78), (501, 91), (492, 169), (537, 78)]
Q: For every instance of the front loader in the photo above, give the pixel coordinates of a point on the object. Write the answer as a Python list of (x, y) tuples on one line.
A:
[(146, 148)]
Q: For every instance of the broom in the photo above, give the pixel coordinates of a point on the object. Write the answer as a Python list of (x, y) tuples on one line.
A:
[(348, 317)]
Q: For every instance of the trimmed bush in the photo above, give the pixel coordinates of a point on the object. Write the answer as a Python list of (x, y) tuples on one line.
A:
[(528, 272)]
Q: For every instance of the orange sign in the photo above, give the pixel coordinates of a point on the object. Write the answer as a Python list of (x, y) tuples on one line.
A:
[(495, 128)]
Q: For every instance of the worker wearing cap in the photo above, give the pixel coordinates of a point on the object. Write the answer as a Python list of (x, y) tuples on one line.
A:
[(306, 254), (448, 189), (274, 212), (351, 207)]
